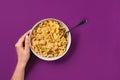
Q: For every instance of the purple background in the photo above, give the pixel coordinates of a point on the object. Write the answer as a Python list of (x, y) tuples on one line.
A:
[(95, 50)]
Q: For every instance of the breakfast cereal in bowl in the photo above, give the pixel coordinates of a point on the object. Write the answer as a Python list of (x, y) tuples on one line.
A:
[(49, 39)]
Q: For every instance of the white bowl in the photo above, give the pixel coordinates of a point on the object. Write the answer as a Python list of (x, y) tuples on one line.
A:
[(68, 45)]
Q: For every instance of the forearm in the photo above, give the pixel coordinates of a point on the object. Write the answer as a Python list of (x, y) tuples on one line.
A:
[(19, 72)]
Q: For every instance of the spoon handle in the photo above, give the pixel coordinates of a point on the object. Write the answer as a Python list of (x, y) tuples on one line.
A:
[(81, 23)]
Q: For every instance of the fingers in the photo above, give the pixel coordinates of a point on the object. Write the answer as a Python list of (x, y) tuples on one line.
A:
[(27, 43), (21, 40)]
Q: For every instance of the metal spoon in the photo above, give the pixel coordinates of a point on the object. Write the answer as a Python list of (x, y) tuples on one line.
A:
[(78, 25)]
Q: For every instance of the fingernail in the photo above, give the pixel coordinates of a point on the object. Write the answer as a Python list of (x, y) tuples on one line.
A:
[(26, 36)]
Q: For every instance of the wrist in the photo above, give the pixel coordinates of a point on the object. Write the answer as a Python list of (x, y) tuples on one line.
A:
[(21, 65)]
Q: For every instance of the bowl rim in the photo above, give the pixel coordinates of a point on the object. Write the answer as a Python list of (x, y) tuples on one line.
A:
[(68, 45)]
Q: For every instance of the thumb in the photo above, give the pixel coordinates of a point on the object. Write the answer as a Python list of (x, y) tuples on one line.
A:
[(27, 43)]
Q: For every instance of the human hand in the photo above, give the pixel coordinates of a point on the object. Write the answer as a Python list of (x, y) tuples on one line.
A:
[(23, 49)]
